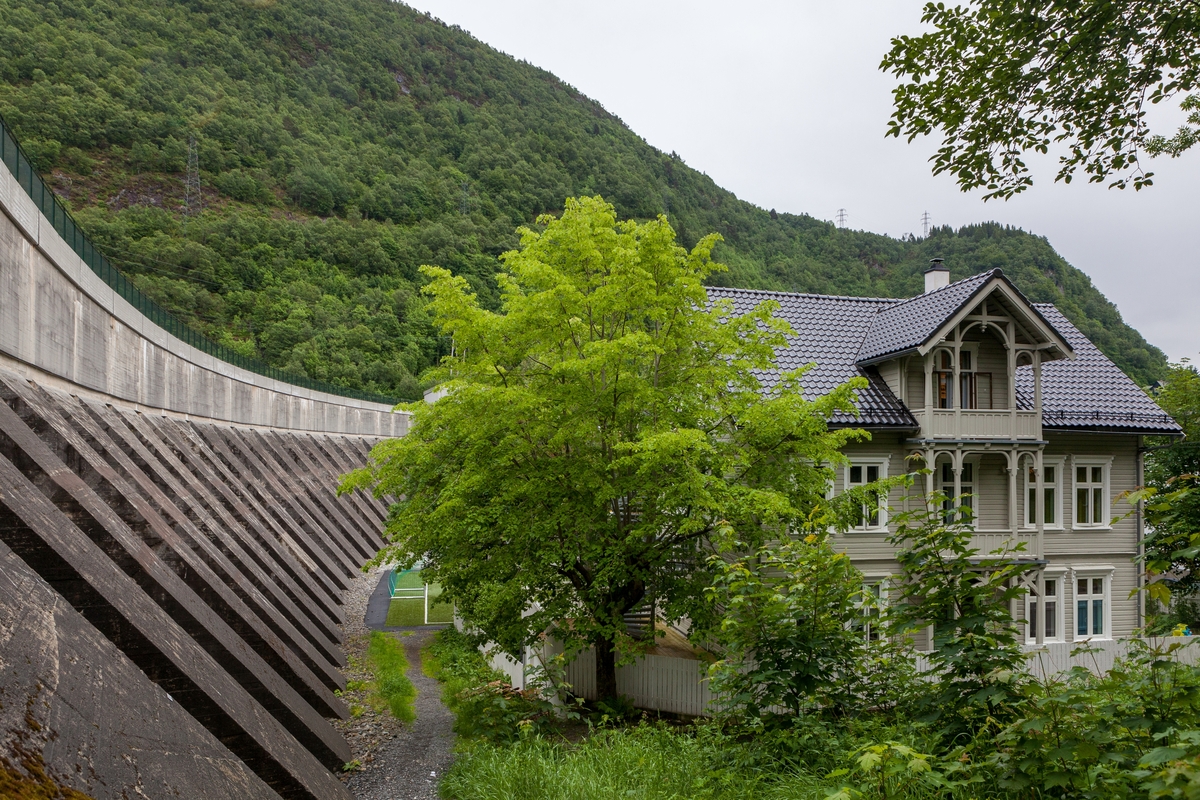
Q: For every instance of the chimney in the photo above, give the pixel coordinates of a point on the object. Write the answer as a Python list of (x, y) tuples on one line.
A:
[(937, 276)]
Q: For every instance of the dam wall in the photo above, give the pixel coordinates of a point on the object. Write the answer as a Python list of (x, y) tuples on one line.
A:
[(173, 552)]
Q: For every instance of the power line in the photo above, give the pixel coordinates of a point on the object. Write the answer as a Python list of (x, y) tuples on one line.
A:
[(841, 217), (926, 220)]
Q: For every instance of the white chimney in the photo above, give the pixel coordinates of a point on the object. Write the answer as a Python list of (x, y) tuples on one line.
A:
[(937, 276)]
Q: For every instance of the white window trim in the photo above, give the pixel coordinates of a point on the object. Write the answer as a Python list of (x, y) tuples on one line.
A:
[(1089, 572), (884, 581), (1060, 465), (869, 461), (1061, 575), (974, 461), (1092, 461)]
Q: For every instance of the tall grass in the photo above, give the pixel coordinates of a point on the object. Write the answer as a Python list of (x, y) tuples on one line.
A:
[(392, 688), (646, 762)]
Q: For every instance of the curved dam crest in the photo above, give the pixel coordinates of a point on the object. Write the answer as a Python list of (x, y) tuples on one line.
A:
[(172, 552)]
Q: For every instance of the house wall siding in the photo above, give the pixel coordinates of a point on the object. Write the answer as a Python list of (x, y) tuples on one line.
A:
[(1070, 548)]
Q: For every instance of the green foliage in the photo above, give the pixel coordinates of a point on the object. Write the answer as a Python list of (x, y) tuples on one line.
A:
[(965, 598), (1172, 499), (1120, 735), (391, 685), (783, 627), (485, 706), (891, 770), (1001, 78), (498, 712), (599, 433), (418, 145)]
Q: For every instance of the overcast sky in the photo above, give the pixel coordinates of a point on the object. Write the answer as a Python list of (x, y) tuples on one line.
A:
[(782, 102)]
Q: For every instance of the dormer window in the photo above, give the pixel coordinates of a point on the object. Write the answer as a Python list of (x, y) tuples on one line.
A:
[(974, 387)]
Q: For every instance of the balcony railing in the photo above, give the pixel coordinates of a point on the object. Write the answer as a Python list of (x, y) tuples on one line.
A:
[(974, 424), (989, 542)]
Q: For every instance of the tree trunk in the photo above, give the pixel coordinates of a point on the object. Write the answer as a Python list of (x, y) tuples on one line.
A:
[(606, 670)]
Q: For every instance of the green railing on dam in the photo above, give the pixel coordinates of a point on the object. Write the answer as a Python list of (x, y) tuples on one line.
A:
[(48, 203)]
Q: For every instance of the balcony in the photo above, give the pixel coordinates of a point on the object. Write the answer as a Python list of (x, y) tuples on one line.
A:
[(975, 424)]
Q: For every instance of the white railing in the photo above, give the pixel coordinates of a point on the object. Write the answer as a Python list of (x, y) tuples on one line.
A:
[(975, 424), (987, 542)]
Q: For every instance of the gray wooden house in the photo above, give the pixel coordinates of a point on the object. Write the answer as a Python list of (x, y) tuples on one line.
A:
[(1013, 409)]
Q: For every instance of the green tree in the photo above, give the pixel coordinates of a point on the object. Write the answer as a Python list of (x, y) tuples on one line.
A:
[(1173, 505), (1003, 78), (598, 433), (785, 621), (964, 597)]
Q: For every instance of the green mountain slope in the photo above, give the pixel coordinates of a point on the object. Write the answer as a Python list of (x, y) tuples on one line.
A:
[(343, 143)]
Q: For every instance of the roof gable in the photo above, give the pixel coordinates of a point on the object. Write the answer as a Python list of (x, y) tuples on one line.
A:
[(918, 324)]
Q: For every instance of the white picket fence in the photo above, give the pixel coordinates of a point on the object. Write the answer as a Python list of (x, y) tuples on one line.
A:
[(680, 685), (657, 683)]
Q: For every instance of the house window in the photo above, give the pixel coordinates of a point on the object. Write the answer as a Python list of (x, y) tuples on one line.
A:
[(966, 499), (945, 379), (1091, 606), (872, 516), (871, 604), (974, 388), (1091, 494), (1052, 495), (1051, 613)]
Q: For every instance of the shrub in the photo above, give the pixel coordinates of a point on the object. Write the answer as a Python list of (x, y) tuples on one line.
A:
[(784, 626), (484, 704), (965, 598)]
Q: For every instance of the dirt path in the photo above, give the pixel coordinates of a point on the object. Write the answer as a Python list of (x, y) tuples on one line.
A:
[(409, 765)]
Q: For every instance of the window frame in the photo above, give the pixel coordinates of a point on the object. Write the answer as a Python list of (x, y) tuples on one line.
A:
[(1060, 575), (972, 349), (973, 461), (861, 621), (1089, 574), (1060, 465), (868, 461), (1089, 462)]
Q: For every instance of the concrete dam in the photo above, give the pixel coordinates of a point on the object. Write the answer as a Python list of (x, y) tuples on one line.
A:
[(173, 555)]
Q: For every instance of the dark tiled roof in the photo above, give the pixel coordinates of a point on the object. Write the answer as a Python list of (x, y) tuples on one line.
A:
[(907, 324), (829, 331), (1089, 392)]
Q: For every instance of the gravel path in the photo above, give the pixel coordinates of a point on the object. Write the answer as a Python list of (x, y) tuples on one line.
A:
[(398, 762)]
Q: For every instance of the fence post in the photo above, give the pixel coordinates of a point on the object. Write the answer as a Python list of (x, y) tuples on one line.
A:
[(427, 604)]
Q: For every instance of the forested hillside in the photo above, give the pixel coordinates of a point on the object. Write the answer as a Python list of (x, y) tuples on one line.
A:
[(343, 143)]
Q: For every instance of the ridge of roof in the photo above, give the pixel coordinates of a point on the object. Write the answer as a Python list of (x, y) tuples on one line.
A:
[(811, 295), (907, 325), (957, 284)]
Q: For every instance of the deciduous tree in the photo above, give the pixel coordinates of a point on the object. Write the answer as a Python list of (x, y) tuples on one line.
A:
[(598, 432), (1003, 78)]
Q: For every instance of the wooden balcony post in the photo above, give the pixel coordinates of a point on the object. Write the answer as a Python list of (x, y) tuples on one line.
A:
[(1014, 463)]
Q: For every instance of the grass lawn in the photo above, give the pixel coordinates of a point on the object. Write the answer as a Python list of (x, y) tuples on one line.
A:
[(409, 610)]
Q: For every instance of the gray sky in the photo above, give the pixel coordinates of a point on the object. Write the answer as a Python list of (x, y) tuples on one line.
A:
[(783, 104)]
